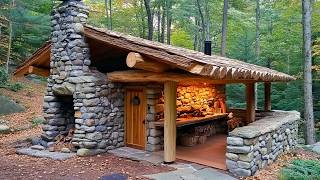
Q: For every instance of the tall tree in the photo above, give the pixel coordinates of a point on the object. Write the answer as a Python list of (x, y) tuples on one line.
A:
[(150, 19), (224, 28), (110, 14), (308, 103), (159, 21), (257, 46), (203, 26), (169, 20), (163, 21), (10, 39), (257, 29), (107, 13)]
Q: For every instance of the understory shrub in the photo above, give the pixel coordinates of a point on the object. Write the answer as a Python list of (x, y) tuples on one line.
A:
[(301, 170), (37, 121), (4, 77), (4, 81)]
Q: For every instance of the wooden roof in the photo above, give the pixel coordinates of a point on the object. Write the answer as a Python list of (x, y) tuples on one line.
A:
[(215, 67)]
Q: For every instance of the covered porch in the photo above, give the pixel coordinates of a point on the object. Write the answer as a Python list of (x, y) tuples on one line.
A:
[(212, 152)]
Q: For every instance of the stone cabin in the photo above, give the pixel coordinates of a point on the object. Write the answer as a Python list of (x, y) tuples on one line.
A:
[(108, 90)]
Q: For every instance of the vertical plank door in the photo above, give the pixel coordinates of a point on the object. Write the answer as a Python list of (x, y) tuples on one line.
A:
[(135, 114)]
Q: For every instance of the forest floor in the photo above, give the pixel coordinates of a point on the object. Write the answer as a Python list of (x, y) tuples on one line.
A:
[(272, 171), (14, 166)]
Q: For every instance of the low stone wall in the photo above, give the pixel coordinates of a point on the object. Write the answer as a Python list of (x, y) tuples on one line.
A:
[(253, 147)]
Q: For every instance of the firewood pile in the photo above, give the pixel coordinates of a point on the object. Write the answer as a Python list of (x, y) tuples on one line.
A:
[(63, 141), (196, 101), (234, 123), (196, 135)]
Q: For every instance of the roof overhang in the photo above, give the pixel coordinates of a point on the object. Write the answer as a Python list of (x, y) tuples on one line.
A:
[(214, 68)]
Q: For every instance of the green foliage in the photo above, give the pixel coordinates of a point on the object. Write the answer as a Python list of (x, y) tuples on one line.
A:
[(37, 121), (17, 86), (280, 36), (301, 170), (4, 82), (4, 77)]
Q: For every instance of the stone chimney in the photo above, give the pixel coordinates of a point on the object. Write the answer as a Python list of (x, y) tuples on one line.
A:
[(69, 52), (79, 102)]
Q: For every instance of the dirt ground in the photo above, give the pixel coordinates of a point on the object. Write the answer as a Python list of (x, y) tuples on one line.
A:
[(13, 166)]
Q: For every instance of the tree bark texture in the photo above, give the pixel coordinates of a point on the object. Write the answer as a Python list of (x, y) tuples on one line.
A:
[(308, 103), (163, 21), (150, 19), (110, 15), (257, 44), (224, 28), (169, 20)]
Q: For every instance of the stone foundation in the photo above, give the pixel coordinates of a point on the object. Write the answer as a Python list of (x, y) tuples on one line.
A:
[(253, 147)]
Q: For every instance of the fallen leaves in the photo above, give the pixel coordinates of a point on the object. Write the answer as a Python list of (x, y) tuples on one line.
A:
[(271, 172)]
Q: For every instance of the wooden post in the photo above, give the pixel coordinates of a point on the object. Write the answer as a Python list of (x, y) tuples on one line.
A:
[(170, 115), (267, 96), (251, 109)]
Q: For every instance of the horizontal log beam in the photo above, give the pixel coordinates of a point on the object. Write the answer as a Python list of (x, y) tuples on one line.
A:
[(38, 71), (136, 60), (147, 76)]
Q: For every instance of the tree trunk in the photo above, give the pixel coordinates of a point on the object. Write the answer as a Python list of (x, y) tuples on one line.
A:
[(110, 15), (107, 11), (224, 28), (308, 103), (159, 23), (207, 21), (257, 29), (196, 32), (169, 20), (257, 44), (150, 19), (9, 46), (142, 20), (163, 21), (203, 27), (10, 41)]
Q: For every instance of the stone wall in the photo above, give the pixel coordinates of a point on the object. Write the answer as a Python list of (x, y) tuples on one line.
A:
[(94, 107), (253, 147), (154, 134)]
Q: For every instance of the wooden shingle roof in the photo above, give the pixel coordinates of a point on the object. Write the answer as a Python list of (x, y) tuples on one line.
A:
[(215, 67), (194, 62)]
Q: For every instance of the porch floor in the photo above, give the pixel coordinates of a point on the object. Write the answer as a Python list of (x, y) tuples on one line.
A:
[(212, 153)]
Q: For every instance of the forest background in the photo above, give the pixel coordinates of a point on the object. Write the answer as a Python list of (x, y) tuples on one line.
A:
[(263, 32)]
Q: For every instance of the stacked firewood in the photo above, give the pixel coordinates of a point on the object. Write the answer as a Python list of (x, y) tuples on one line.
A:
[(196, 135), (63, 141), (196, 101), (234, 122)]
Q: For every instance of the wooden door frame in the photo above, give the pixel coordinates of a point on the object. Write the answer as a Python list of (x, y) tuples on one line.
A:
[(125, 116)]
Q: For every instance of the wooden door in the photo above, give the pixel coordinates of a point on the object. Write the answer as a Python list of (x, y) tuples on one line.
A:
[(135, 114)]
